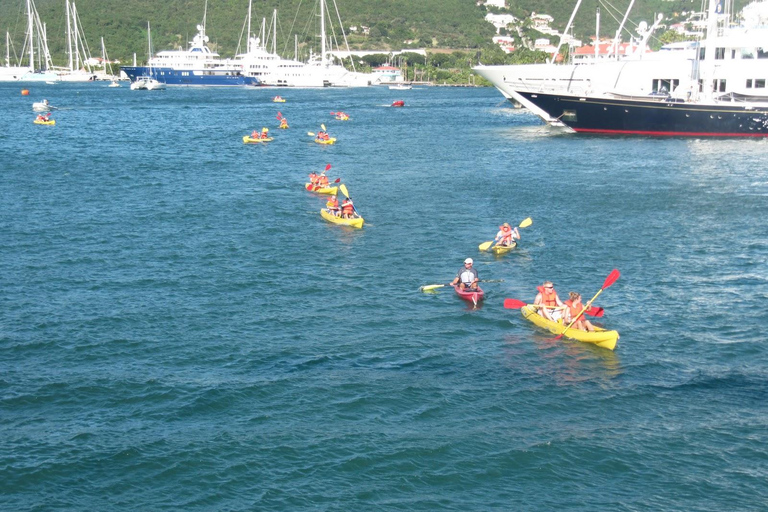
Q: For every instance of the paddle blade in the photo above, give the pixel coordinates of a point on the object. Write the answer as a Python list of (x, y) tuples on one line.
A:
[(337, 180), (513, 304), (527, 222), (311, 134), (343, 189), (612, 277), (333, 113), (485, 245), (328, 167), (594, 311), (323, 127), (430, 287)]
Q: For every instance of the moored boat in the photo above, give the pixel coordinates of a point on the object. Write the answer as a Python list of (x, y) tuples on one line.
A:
[(601, 337), (473, 296), (321, 190), (356, 222)]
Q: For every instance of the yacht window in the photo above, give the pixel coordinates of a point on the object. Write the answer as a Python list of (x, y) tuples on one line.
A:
[(569, 115), (719, 53), (747, 53), (749, 83), (762, 53), (760, 83)]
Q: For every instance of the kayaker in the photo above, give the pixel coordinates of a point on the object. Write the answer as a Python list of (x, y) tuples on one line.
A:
[(333, 205), (322, 135), (467, 276), (264, 132), (283, 123), (573, 308), (548, 300), (347, 208), (322, 181), (507, 235), (313, 178), (255, 134)]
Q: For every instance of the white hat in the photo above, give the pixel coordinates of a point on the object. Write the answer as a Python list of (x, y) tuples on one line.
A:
[(468, 260)]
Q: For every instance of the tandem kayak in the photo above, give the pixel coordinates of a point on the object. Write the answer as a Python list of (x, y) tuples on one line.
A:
[(601, 337), (248, 140), (473, 296), (357, 222), (321, 190), (51, 122), (332, 140)]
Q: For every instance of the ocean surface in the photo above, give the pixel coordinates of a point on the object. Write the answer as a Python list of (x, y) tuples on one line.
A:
[(180, 330)]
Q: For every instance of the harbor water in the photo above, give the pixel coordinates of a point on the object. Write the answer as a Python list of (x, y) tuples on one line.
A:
[(180, 330)]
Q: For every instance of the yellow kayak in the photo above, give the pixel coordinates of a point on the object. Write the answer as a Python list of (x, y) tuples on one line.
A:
[(278, 100), (503, 249), (601, 337), (322, 190), (357, 222), (329, 141), (51, 122), (248, 140)]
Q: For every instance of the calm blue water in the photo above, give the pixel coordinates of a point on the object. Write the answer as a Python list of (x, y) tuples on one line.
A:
[(180, 330)]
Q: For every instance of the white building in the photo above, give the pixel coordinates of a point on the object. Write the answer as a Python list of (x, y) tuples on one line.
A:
[(500, 20), (496, 3)]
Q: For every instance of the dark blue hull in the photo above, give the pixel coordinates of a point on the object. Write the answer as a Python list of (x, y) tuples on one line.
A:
[(657, 117), (169, 76)]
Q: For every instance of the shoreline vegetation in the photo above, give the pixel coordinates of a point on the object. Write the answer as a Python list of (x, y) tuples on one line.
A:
[(453, 33)]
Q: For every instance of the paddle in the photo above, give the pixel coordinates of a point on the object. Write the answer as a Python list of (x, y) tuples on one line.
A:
[(431, 287), (487, 245), (612, 277), (517, 304), (344, 191)]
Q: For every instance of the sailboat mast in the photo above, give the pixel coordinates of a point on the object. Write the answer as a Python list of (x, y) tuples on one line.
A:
[(248, 38), (31, 32), (69, 38), (322, 32), (75, 32), (274, 31), (7, 49)]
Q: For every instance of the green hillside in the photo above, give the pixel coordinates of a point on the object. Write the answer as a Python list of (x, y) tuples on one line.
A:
[(394, 24)]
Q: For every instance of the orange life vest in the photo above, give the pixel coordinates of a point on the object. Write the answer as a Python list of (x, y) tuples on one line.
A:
[(322, 181), (312, 178), (506, 235), (332, 204), (573, 310), (548, 297), (347, 207)]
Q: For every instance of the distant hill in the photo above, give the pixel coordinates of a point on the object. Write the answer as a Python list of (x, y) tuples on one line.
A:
[(392, 24)]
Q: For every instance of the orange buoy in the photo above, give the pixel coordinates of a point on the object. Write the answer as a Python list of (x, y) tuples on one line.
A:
[(25, 92)]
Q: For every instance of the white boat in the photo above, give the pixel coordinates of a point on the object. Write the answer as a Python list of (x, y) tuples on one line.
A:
[(400, 87), (78, 69), (147, 82), (320, 71), (716, 87), (35, 40), (42, 106), (198, 65)]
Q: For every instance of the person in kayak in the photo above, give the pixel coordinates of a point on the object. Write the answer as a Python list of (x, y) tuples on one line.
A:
[(313, 178), (347, 208), (323, 135), (322, 181), (467, 276), (333, 206), (255, 134), (551, 307), (283, 123), (506, 235), (573, 307), (264, 132)]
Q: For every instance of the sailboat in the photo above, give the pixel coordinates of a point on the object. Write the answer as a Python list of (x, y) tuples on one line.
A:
[(107, 66), (147, 82), (320, 71), (76, 44), (35, 35)]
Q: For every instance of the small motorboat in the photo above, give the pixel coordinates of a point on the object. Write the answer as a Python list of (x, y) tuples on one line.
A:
[(42, 106)]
